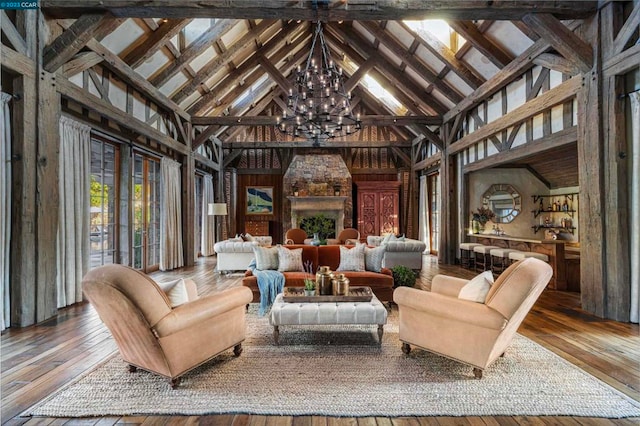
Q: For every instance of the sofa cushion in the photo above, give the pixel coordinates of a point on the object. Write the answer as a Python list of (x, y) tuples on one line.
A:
[(351, 259), (289, 260), (176, 291), (266, 258), (477, 289), (373, 258)]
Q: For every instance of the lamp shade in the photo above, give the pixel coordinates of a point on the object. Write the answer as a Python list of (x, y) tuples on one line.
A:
[(217, 209)]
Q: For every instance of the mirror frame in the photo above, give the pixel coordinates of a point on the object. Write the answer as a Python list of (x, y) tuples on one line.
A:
[(515, 196)]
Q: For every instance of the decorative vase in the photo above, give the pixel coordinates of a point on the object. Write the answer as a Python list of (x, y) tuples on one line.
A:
[(476, 226), (340, 285), (315, 241), (323, 281)]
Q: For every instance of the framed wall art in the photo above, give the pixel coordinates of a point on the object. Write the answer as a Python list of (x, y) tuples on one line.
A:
[(259, 200)]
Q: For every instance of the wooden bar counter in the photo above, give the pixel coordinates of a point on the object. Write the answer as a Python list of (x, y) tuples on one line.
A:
[(552, 248)]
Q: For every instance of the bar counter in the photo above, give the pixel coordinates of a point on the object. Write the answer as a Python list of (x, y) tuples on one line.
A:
[(552, 248)]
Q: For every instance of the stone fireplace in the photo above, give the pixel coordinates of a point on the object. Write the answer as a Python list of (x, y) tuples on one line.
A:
[(323, 185)]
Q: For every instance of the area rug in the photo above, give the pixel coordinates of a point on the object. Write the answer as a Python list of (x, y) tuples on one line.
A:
[(342, 371)]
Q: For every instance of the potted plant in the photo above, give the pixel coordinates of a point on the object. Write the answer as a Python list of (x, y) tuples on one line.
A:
[(481, 217), (309, 287), (320, 226), (403, 276)]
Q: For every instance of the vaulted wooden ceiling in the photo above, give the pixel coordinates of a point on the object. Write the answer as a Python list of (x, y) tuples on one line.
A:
[(227, 64)]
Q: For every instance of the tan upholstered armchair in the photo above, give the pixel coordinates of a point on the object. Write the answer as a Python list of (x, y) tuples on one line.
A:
[(295, 236), (152, 335), (349, 236), (470, 332)]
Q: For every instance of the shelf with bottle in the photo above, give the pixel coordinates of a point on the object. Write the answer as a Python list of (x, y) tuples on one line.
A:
[(570, 229), (556, 204)]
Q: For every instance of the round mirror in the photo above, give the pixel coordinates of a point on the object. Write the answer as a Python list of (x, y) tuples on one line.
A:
[(504, 201)]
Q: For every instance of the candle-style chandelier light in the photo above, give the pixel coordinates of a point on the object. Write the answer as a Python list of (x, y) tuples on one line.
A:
[(319, 106)]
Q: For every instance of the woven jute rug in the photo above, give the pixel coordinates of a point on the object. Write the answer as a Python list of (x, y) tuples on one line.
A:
[(342, 371)]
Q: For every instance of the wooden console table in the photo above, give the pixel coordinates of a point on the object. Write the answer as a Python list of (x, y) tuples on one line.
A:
[(552, 248)]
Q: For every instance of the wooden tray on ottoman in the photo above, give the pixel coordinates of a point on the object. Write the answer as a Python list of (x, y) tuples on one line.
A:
[(356, 294)]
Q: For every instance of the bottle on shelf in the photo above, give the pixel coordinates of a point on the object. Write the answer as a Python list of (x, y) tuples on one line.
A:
[(565, 206), (541, 207)]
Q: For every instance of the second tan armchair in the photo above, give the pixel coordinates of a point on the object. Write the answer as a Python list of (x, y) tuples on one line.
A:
[(472, 333), (152, 335)]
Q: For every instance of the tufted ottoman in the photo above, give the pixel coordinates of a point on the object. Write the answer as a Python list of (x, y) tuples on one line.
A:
[(327, 313)]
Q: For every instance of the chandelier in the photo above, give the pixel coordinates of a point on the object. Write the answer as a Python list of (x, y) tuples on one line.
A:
[(319, 108)]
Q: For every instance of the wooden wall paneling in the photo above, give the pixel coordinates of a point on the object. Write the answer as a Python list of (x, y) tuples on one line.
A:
[(47, 199), (590, 162), (275, 220)]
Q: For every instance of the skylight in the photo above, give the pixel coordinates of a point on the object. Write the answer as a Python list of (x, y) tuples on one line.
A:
[(383, 95), (438, 28)]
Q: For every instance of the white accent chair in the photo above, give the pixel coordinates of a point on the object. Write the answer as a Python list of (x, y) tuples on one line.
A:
[(405, 252), (234, 255)]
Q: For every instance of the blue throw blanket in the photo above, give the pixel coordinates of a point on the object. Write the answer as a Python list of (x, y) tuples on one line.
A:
[(270, 284)]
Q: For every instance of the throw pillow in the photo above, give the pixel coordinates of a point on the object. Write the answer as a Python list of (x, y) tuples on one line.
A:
[(373, 258), (289, 260), (352, 259), (176, 291), (477, 289), (266, 258), (248, 237)]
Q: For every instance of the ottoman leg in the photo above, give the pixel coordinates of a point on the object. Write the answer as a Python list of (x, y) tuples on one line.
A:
[(276, 334), (380, 331)]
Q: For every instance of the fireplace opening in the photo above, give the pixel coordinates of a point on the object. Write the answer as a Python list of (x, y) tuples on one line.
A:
[(322, 225)]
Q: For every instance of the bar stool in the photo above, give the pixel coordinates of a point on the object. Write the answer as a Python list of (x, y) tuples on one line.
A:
[(500, 259), (466, 260), (483, 256), (520, 255)]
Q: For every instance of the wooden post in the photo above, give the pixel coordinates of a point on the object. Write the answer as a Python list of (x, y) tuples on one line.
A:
[(449, 194), (188, 171), (124, 245)]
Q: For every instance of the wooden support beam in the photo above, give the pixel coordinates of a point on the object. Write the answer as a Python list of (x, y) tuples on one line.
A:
[(76, 94), (558, 95), (503, 77), (12, 34), (557, 63), (206, 162), (17, 62), (250, 144), (470, 32), (263, 120), (154, 42), (219, 28), (359, 74), (562, 39), (427, 162), (629, 28), (81, 62), (623, 62), (75, 38)]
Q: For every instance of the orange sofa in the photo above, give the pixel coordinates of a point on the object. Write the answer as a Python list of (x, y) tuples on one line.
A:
[(380, 282)]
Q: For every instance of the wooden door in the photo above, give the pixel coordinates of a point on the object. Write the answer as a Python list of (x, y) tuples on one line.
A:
[(378, 206)]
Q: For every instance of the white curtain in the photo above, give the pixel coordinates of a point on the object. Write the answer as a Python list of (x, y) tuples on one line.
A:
[(73, 223), (171, 255), (634, 208), (208, 222), (423, 213), (5, 210)]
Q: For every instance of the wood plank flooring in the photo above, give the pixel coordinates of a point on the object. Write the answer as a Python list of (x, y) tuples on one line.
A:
[(37, 360)]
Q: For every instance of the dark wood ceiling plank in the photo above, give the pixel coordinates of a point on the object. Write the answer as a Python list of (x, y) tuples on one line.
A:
[(503, 77), (490, 50), (220, 61), (67, 44), (377, 11), (562, 39), (154, 42), (446, 55), (412, 61), (192, 51)]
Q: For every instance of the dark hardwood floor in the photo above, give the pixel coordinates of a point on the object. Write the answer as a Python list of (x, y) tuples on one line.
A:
[(40, 359)]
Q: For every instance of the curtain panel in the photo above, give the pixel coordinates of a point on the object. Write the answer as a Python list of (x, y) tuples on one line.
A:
[(73, 224), (5, 210), (171, 254), (423, 213), (208, 222), (634, 207)]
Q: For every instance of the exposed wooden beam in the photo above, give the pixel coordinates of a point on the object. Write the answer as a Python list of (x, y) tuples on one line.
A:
[(359, 74), (82, 61), (67, 44), (312, 11), (12, 34), (524, 28), (17, 62), (192, 51), (154, 41), (555, 140), (623, 62), (221, 60), (628, 29), (562, 39), (557, 63), (558, 95), (503, 77), (264, 120), (309, 144), (428, 162), (485, 46), (77, 94)]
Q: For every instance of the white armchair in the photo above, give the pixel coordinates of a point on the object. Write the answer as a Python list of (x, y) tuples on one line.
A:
[(234, 255)]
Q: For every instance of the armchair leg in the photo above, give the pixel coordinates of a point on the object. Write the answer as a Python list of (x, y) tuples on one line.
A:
[(406, 348), (477, 373), (237, 349), (175, 382), (132, 368)]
